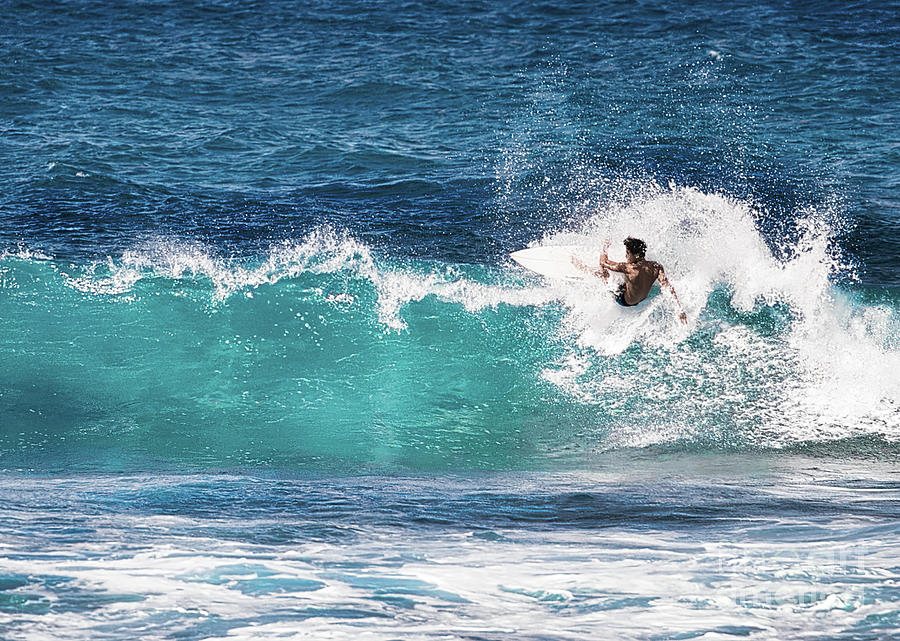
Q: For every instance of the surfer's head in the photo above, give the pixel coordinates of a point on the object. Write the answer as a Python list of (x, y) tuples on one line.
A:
[(636, 247)]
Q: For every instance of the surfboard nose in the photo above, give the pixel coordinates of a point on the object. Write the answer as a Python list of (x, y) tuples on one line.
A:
[(553, 261)]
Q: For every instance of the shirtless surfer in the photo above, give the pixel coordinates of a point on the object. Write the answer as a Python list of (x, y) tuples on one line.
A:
[(639, 274)]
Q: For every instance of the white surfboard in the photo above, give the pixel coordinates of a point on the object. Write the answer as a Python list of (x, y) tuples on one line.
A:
[(556, 262)]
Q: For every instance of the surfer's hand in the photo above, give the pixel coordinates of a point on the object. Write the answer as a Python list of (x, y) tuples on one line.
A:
[(683, 318)]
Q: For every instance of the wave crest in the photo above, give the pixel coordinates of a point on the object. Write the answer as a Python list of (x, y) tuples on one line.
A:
[(775, 354)]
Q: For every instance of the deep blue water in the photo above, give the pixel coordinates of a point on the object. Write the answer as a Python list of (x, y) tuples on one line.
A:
[(267, 369), (431, 128)]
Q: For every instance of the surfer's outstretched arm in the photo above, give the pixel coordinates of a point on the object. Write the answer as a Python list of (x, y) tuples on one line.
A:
[(600, 272), (613, 265), (665, 284)]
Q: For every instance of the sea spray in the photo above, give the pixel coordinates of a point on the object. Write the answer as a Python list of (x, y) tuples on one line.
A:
[(775, 337)]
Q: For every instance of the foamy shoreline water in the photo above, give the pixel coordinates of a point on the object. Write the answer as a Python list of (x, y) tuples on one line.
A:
[(690, 547)]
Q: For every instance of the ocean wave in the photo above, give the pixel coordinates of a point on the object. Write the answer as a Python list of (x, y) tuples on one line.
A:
[(355, 358)]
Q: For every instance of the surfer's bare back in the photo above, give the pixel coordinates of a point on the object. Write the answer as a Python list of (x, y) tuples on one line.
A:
[(639, 274)]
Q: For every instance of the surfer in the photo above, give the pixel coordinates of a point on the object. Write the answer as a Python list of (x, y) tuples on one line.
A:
[(638, 272)]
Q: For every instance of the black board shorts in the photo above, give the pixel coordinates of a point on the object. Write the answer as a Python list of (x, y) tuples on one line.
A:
[(619, 296)]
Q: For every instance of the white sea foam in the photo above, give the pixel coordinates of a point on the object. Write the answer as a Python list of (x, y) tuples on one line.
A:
[(324, 251), (830, 374), (21, 251), (157, 576)]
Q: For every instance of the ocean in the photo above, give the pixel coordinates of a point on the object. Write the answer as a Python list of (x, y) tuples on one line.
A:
[(267, 370)]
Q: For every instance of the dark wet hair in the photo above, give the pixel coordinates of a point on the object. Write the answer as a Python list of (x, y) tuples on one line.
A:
[(636, 246)]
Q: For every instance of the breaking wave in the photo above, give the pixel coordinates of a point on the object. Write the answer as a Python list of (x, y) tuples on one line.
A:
[(324, 352)]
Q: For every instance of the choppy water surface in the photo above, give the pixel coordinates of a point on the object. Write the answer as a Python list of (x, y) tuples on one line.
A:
[(688, 549), (266, 369)]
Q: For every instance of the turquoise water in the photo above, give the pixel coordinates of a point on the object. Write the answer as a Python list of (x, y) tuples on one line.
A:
[(325, 355), (267, 370)]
